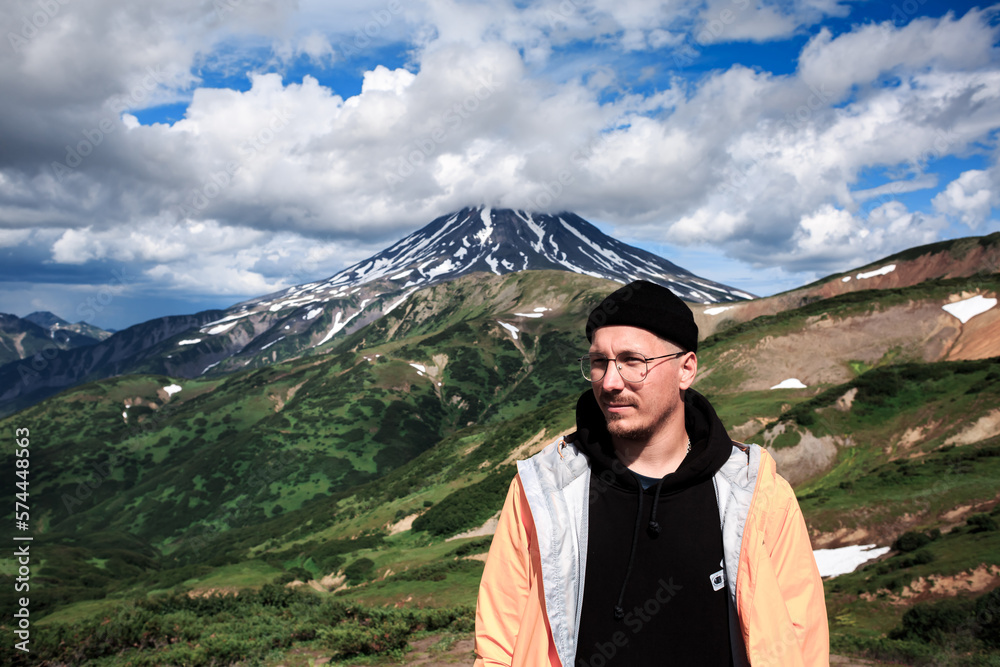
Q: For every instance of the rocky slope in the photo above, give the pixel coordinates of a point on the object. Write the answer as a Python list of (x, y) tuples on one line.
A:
[(960, 258)]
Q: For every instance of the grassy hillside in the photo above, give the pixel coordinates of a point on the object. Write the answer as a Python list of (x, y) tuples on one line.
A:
[(359, 475), (134, 487)]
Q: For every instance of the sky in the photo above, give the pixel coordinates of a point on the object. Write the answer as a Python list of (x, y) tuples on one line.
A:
[(159, 160)]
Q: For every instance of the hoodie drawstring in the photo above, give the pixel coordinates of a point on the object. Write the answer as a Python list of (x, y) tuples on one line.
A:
[(619, 612), (653, 528)]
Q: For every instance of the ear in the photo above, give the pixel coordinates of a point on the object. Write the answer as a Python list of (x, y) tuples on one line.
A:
[(688, 370)]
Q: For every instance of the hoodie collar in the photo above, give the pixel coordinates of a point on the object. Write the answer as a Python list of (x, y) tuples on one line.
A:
[(710, 444)]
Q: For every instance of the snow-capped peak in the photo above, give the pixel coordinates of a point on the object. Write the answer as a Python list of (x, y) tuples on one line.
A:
[(503, 241)]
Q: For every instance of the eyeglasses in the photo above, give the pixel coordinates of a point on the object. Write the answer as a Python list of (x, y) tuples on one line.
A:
[(632, 366)]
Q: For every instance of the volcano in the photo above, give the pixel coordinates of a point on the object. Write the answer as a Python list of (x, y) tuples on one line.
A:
[(504, 240)]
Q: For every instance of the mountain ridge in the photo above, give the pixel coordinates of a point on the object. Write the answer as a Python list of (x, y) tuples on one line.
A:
[(23, 337), (304, 319), (506, 240), (957, 258)]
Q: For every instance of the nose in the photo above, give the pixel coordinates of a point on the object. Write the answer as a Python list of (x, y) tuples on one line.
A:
[(612, 380)]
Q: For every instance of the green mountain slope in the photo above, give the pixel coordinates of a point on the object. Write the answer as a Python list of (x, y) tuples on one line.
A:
[(159, 464), (371, 468)]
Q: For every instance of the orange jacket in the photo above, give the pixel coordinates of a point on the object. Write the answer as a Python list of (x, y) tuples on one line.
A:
[(527, 612)]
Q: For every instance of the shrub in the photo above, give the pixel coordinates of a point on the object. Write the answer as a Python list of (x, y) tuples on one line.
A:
[(360, 570), (479, 546), (960, 624), (467, 507), (981, 523), (911, 541), (932, 623), (988, 617), (352, 638)]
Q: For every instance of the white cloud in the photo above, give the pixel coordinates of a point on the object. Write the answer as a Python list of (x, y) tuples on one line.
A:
[(152, 241), (831, 238), (491, 105), (212, 278), (317, 47), (11, 238), (739, 20), (208, 257), (892, 189), (970, 198), (869, 52)]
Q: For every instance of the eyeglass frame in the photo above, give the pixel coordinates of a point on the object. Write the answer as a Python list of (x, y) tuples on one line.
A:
[(619, 368)]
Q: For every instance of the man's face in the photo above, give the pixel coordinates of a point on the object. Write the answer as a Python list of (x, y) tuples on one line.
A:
[(636, 410)]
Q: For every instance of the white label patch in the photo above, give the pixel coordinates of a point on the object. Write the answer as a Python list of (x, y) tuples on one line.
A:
[(718, 580)]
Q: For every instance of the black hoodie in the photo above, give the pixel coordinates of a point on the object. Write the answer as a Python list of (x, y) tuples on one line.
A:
[(654, 592)]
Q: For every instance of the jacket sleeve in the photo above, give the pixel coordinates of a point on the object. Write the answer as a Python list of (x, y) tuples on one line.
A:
[(798, 579), (505, 586)]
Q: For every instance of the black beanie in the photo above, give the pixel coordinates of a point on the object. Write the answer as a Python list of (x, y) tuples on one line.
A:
[(648, 306)]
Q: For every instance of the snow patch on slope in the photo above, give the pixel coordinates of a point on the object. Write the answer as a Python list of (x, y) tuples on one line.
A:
[(833, 562), (791, 383), (220, 328), (969, 308), (487, 231), (877, 272), (509, 327)]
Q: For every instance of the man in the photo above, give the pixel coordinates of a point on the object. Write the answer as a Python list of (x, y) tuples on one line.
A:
[(649, 537)]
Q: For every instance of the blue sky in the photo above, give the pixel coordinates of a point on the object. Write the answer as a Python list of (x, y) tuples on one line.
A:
[(159, 161)]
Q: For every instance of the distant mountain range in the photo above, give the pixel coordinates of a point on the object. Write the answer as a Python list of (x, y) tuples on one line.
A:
[(305, 318), (21, 338)]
